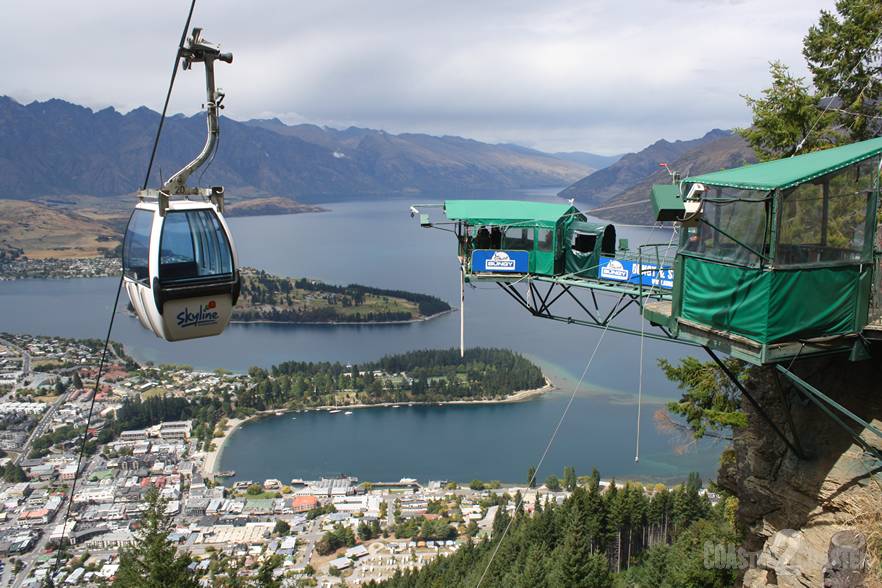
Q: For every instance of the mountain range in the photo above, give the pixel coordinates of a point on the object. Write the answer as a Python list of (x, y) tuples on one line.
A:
[(620, 192), (56, 148)]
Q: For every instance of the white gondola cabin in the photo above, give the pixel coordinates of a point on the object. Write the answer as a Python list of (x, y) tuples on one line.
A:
[(180, 267)]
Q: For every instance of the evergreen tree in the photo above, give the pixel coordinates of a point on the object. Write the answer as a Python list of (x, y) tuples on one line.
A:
[(844, 62), (570, 479), (531, 477), (784, 115), (575, 564), (153, 562), (842, 56), (535, 568)]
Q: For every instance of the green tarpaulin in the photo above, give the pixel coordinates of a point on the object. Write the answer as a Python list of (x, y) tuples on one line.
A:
[(584, 243), (508, 212), (771, 306), (790, 171)]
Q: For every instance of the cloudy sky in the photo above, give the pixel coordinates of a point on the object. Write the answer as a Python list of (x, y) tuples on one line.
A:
[(593, 75)]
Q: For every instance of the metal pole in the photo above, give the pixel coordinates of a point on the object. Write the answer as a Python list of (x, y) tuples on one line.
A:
[(812, 391), (732, 378), (461, 311)]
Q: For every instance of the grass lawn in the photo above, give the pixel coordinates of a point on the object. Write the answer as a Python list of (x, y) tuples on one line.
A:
[(153, 392)]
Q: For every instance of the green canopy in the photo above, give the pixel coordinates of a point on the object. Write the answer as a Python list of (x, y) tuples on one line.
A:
[(507, 212), (790, 171)]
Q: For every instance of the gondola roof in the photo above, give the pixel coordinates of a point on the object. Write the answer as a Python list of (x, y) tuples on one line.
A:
[(508, 212), (791, 171)]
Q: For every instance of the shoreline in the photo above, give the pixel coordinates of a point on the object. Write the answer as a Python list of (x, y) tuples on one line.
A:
[(344, 323), (212, 459)]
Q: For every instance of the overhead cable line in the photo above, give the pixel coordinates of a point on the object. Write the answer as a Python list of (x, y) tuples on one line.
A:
[(103, 360), (548, 446)]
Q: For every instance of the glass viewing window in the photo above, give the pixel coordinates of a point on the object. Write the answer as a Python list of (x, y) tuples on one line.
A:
[(193, 246), (136, 250)]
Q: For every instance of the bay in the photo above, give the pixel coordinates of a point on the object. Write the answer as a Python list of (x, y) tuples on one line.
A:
[(377, 243)]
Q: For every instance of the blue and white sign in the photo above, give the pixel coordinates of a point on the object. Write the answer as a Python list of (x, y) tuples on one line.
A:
[(505, 262), (624, 270)]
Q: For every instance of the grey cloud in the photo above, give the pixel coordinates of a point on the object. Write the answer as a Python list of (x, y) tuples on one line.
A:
[(558, 74)]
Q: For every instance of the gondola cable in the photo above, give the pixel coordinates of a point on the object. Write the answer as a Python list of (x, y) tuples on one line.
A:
[(642, 345), (102, 362), (548, 446)]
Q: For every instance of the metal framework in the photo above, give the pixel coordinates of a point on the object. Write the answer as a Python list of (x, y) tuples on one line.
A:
[(541, 304)]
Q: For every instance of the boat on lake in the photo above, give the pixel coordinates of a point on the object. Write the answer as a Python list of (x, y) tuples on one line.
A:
[(348, 412), (335, 411), (225, 474)]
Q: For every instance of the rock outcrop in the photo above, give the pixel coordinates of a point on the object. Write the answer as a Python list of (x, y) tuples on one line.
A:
[(791, 507)]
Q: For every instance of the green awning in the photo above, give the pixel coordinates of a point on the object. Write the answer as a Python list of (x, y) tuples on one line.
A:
[(790, 171), (508, 212)]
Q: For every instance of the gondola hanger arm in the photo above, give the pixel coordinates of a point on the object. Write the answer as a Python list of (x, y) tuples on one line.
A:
[(199, 50)]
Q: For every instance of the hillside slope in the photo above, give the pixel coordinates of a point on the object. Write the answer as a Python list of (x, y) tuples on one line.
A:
[(40, 231), (606, 183), (632, 205), (56, 148)]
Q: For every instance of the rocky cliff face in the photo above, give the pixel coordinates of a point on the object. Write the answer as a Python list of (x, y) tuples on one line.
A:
[(792, 507)]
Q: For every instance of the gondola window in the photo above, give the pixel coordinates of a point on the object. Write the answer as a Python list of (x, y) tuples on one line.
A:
[(136, 251), (193, 246)]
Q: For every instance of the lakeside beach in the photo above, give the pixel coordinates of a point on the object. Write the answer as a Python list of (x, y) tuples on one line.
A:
[(212, 458)]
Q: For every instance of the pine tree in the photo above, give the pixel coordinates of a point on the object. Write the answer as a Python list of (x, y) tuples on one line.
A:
[(152, 562), (844, 63), (570, 479), (575, 564), (534, 568)]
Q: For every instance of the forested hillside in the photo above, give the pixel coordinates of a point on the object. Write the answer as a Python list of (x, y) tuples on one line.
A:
[(418, 376), (620, 536), (266, 297)]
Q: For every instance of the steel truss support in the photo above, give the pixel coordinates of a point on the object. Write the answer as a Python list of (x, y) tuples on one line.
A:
[(827, 405), (793, 445), (540, 305)]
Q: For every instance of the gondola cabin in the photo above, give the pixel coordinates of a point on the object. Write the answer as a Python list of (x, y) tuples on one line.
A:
[(180, 269), (179, 264), (777, 259)]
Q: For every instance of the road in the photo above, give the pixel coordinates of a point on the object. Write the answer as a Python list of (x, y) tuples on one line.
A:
[(30, 559), (41, 426)]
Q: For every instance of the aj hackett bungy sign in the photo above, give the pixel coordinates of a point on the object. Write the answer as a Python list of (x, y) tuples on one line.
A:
[(624, 270), (205, 315), (509, 262)]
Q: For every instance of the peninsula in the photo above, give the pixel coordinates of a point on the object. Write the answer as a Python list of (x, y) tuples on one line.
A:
[(273, 299)]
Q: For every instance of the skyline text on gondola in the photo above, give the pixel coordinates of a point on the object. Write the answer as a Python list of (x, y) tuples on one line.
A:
[(204, 316)]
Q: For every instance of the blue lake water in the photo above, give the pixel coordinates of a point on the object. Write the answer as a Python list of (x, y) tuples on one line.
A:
[(377, 243)]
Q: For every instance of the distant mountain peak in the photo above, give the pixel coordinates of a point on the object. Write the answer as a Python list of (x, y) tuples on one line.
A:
[(72, 150), (606, 183)]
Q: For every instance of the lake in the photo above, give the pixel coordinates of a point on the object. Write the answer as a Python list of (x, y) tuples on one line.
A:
[(379, 244)]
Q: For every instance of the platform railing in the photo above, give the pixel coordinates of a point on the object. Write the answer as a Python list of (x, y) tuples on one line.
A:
[(659, 258)]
